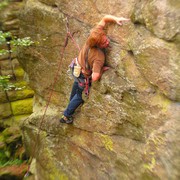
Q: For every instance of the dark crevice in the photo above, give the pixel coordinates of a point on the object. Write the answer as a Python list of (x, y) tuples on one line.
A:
[(10, 177), (54, 6), (50, 5), (137, 23), (130, 52)]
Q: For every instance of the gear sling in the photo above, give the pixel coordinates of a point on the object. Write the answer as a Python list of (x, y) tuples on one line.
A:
[(83, 81)]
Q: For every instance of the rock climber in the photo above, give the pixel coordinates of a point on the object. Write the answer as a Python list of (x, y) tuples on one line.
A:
[(91, 61)]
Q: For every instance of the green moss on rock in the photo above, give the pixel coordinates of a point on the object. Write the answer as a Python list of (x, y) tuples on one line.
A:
[(14, 120), (19, 72), (22, 106), (3, 97), (20, 94), (10, 131), (161, 101), (5, 110), (3, 157), (107, 141)]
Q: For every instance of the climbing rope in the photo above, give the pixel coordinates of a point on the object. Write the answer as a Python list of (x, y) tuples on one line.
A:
[(68, 35)]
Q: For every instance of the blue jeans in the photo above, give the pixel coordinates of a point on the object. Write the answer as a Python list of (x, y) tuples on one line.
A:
[(75, 99)]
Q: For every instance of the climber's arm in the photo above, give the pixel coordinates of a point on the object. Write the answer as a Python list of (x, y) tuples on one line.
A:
[(97, 76), (109, 18)]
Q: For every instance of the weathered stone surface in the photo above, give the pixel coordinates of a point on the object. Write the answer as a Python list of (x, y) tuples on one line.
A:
[(12, 152), (20, 94), (3, 97), (5, 110), (8, 65), (160, 17), (9, 17), (13, 172), (12, 68), (158, 62), (22, 106), (128, 128), (13, 121)]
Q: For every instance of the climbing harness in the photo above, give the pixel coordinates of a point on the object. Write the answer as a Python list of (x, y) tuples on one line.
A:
[(86, 85), (87, 79)]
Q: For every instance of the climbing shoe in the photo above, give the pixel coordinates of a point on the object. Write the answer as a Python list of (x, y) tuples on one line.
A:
[(67, 120)]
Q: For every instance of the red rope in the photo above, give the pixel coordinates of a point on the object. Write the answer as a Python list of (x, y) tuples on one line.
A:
[(51, 90), (77, 46)]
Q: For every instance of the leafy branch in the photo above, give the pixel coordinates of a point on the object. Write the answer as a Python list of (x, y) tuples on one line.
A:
[(8, 39), (4, 83)]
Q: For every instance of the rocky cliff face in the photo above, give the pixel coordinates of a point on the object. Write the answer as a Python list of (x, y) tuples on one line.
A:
[(128, 128), (15, 103)]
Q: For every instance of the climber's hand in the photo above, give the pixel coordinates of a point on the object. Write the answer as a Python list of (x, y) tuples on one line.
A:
[(105, 68), (120, 21)]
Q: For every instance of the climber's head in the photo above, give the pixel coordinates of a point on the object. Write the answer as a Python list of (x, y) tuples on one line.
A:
[(98, 38)]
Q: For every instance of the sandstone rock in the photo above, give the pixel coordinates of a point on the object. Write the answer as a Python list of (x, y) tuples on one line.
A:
[(13, 172), (8, 65), (12, 153), (22, 106), (3, 97), (132, 113), (157, 61), (11, 147), (13, 24), (11, 135), (20, 94), (5, 110), (8, 16), (13, 121), (49, 2), (160, 17)]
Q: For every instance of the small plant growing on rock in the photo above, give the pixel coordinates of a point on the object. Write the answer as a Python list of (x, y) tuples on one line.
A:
[(6, 37), (4, 83), (12, 43)]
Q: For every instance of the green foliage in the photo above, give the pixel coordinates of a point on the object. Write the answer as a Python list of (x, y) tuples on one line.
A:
[(3, 36), (11, 162), (3, 52), (7, 36), (22, 42), (15, 42), (3, 4), (6, 85)]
